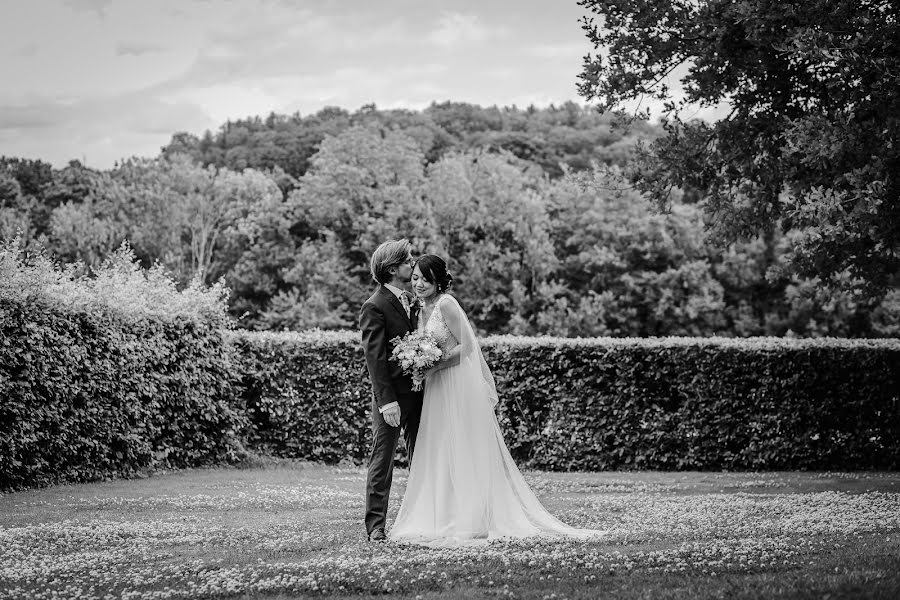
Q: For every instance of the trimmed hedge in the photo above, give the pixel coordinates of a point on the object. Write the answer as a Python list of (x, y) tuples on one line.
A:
[(94, 393), (758, 404), (610, 403), (306, 395)]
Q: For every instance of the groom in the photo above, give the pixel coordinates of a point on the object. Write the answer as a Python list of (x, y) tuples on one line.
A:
[(389, 313)]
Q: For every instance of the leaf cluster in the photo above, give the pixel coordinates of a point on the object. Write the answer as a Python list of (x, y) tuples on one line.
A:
[(810, 143), (109, 375), (610, 403), (319, 411)]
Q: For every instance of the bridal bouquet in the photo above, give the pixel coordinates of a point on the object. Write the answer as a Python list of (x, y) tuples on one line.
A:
[(416, 352)]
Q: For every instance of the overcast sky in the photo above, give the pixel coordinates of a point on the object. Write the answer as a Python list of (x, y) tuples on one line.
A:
[(101, 80)]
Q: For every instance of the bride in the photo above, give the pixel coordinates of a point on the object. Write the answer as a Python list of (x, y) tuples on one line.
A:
[(463, 484)]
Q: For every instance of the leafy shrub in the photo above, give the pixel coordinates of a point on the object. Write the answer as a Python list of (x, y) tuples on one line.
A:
[(701, 403), (305, 394), (108, 375), (610, 403)]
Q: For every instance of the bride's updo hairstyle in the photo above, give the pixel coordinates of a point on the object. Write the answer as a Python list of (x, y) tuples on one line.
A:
[(434, 270)]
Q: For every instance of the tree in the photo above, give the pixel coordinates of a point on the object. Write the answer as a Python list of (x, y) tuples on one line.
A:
[(32, 175), (811, 143), (491, 221), (317, 293), (208, 197), (153, 214), (256, 248), (625, 269), (179, 211), (14, 213), (183, 143), (363, 187), (44, 189), (86, 231)]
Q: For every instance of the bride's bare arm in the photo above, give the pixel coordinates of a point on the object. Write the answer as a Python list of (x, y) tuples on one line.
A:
[(452, 318)]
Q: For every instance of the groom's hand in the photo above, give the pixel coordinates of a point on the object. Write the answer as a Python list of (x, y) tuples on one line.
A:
[(392, 416)]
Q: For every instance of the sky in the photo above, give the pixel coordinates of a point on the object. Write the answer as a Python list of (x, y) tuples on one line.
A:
[(102, 80)]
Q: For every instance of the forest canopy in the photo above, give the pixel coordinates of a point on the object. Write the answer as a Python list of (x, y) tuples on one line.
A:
[(544, 231)]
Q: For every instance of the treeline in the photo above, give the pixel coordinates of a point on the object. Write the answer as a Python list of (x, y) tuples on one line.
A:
[(542, 235), (552, 138)]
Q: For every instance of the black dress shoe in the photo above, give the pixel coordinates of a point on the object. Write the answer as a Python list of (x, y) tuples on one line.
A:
[(377, 536)]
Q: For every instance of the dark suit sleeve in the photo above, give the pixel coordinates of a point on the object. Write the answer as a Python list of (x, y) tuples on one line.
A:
[(375, 346)]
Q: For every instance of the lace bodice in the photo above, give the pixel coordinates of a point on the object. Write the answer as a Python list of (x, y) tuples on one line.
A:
[(437, 326)]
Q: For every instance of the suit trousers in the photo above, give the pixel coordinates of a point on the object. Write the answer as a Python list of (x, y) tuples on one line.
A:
[(381, 457)]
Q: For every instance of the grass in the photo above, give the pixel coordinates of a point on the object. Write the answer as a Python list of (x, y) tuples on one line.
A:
[(287, 530)]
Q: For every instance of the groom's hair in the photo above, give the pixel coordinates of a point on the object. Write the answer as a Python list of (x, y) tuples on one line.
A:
[(387, 255)]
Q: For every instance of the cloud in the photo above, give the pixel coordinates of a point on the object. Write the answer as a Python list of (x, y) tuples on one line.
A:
[(106, 130), (115, 74), (26, 50), (83, 53), (282, 40), (97, 6), (567, 51), (137, 112), (348, 87), (137, 48), (27, 117), (455, 29)]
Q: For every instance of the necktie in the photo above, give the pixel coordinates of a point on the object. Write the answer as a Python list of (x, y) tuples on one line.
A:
[(404, 300)]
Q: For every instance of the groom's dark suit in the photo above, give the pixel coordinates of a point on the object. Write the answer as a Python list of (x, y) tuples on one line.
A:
[(381, 319)]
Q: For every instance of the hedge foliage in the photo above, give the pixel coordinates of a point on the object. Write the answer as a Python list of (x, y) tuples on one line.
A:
[(96, 386), (111, 373), (306, 395), (611, 403)]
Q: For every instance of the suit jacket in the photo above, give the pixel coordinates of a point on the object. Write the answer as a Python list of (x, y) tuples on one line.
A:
[(381, 319)]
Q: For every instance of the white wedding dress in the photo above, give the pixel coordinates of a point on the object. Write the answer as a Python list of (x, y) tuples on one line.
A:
[(463, 485)]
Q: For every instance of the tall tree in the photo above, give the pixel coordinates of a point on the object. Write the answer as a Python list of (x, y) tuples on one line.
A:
[(491, 220), (363, 187), (32, 175), (90, 230), (179, 211), (812, 142), (14, 213), (256, 247), (626, 269)]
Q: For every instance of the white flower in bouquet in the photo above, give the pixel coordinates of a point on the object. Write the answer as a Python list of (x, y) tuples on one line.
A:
[(416, 352)]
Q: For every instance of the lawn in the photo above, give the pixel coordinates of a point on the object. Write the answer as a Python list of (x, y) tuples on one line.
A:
[(295, 529)]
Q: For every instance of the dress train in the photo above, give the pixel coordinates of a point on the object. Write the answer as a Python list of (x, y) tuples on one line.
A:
[(464, 487)]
